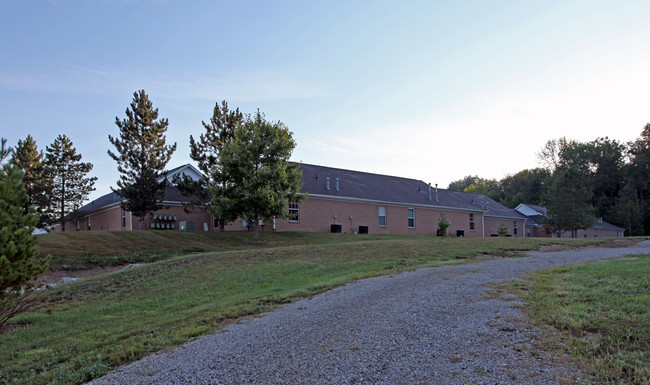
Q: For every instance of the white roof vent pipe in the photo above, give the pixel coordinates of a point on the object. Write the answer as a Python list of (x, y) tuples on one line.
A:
[(436, 192), (337, 185), (327, 182)]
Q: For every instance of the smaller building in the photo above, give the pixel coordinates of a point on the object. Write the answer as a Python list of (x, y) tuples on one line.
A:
[(106, 213), (537, 226)]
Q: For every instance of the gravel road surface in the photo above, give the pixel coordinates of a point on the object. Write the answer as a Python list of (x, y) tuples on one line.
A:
[(431, 326)]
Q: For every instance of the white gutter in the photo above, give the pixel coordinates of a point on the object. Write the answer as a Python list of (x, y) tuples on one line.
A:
[(390, 203)]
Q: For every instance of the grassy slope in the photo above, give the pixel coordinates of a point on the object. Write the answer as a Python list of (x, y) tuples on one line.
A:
[(81, 250), (81, 329), (602, 310)]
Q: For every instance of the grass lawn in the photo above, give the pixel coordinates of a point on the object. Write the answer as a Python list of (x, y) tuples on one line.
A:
[(83, 250), (80, 330), (601, 311)]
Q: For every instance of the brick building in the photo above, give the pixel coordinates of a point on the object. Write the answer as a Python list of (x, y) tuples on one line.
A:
[(345, 201)]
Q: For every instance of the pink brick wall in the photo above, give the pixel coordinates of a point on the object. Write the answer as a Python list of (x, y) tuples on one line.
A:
[(589, 233), (111, 219), (492, 226), (318, 214)]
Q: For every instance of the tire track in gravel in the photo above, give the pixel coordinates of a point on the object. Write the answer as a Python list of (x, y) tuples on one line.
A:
[(430, 326)]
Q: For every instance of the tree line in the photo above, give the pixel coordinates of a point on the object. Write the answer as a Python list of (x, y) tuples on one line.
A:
[(55, 181), (244, 159), (580, 181)]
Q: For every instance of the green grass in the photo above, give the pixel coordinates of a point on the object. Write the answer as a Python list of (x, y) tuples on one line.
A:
[(83, 250), (82, 329), (601, 311)]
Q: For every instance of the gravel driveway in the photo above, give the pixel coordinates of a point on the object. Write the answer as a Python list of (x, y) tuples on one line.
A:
[(431, 326)]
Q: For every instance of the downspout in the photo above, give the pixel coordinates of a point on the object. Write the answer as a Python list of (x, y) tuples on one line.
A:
[(131, 220), (483, 223), (525, 219)]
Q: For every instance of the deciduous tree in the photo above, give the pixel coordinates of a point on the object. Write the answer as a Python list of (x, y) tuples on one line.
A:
[(141, 154), (261, 180), (219, 132), (70, 186)]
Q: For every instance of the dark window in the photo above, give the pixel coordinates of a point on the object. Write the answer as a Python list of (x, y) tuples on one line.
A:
[(411, 217), (514, 228), (471, 222)]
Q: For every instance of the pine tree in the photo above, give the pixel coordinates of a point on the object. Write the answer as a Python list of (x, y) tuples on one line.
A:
[(261, 178), (568, 200), (70, 187), (141, 156), (31, 163), (19, 266), (219, 132)]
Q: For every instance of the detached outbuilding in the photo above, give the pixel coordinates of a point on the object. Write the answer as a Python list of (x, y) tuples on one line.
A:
[(536, 225)]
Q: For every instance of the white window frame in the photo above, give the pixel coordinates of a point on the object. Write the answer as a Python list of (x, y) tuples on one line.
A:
[(294, 211), (384, 222), (411, 218), (514, 228), (472, 222)]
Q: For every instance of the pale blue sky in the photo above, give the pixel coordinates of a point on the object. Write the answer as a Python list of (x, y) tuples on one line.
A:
[(433, 90)]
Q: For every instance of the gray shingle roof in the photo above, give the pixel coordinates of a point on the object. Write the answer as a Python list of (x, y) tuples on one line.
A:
[(391, 189), (364, 186), (607, 226), (172, 194)]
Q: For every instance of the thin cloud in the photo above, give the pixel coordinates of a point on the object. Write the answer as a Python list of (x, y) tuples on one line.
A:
[(240, 87)]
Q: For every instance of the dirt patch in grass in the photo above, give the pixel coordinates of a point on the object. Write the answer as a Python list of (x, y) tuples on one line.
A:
[(55, 277), (9, 327), (612, 243)]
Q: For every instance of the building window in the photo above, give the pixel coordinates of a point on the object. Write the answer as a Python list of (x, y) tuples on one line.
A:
[(471, 222), (514, 228), (411, 216), (294, 212), (123, 219), (382, 216)]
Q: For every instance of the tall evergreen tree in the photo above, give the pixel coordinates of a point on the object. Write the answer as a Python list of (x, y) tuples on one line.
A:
[(70, 186), (261, 178), (141, 155), (37, 181), (219, 132), (568, 200), (19, 265), (638, 175)]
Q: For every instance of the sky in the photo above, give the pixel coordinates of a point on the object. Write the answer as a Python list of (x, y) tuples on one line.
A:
[(431, 90)]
